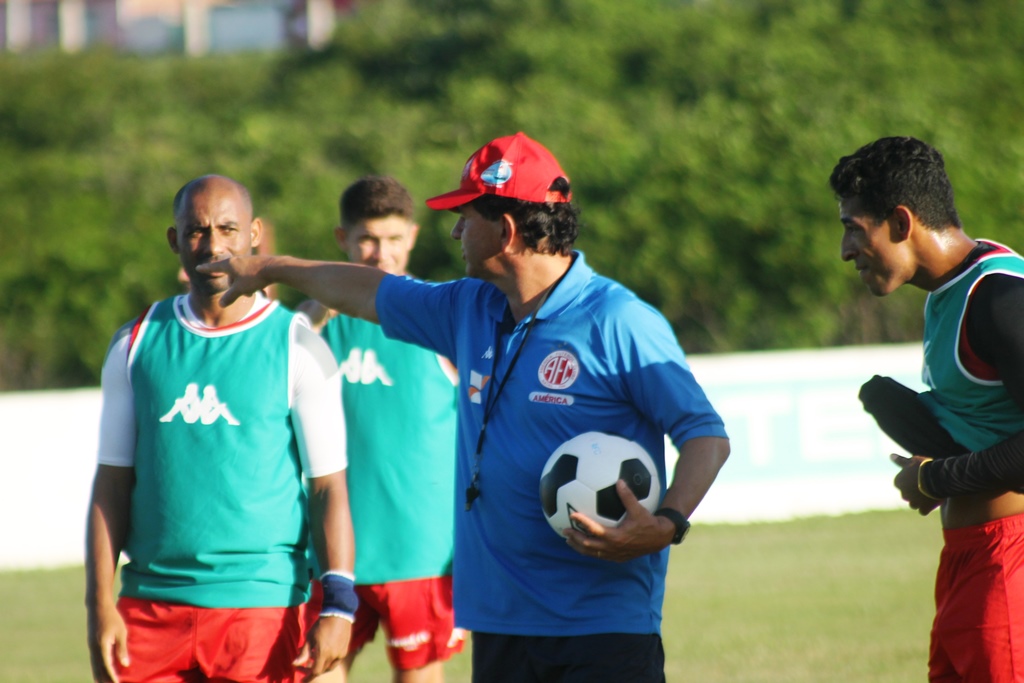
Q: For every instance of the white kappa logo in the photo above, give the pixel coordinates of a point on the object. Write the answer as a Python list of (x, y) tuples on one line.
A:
[(205, 410), (559, 370), (362, 367)]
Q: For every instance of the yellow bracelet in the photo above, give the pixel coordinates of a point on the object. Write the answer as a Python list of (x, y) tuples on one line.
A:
[(920, 484)]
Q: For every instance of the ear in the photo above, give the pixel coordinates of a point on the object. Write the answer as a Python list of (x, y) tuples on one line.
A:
[(256, 232), (340, 238), (414, 231), (510, 238), (904, 222), (172, 239)]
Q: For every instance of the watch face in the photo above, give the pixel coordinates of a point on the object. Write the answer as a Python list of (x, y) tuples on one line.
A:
[(681, 523)]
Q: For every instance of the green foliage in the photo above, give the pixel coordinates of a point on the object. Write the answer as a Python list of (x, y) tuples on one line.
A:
[(699, 137)]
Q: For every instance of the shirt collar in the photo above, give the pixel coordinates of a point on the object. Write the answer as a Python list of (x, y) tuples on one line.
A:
[(566, 291), (259, 304)]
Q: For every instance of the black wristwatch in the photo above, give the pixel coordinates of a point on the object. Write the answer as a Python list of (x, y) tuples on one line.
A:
[(676, 517)]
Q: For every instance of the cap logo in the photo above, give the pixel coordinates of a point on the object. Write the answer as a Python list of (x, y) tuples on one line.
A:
[(497, 174)]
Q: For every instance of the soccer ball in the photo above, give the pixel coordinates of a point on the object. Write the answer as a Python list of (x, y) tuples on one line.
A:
[(580, 476)]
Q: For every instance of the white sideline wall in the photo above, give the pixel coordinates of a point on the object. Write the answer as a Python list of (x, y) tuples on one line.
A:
[(801, 446), (801, 442)]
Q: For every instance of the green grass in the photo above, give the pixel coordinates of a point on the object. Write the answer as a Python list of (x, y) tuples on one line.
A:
[(810, 601)]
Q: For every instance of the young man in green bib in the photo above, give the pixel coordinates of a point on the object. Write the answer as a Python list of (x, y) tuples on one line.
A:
[(965, 435), (212, 418), (399, 403)]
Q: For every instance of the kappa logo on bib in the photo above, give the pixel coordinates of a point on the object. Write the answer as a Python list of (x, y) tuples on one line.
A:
[(205, 410), (362, 367), (559, 370)]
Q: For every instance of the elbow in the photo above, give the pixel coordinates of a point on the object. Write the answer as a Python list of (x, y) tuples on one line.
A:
[(722, 451), (715, 454)]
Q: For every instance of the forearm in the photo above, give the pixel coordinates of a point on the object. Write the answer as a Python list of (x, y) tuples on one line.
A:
[(106, 530), (100, 565), (699, 462), (346, 287), (331, 523), (992, 470)]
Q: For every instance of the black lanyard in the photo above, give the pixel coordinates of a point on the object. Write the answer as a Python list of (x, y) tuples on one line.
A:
[(473, 491)]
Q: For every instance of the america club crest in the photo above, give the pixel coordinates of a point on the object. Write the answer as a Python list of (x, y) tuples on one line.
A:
[(558, 370)]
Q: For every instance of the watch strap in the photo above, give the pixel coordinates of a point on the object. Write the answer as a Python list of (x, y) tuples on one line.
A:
[(681, 523)]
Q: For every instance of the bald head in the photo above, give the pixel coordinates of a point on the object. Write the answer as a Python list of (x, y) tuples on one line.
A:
[(212, 221), (211, 182)]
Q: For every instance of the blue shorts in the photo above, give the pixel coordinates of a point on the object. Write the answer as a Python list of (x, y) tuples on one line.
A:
[(600, 658)]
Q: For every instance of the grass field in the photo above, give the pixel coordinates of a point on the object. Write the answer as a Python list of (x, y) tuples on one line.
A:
[(820, 600)]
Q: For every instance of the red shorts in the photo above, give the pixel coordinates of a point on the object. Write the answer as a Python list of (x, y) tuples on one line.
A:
[(170, 643), (417, 618), (978, 632)]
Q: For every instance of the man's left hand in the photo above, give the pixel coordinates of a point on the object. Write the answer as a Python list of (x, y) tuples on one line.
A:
[(906, 482), (640, 533)]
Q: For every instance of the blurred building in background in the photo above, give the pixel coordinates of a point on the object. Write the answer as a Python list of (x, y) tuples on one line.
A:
[(194, 27)]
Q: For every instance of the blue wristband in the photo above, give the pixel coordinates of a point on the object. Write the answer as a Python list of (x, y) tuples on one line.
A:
[(340, 598)]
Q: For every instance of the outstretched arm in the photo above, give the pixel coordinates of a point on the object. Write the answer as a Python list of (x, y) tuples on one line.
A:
[(346, 287)]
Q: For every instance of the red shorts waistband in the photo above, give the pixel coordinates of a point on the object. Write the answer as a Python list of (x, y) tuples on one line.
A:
[(982, 533)]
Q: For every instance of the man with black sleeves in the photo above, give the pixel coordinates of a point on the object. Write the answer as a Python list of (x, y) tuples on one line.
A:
[(966, 434)]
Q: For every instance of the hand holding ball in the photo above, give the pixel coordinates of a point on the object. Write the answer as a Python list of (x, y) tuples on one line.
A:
[(580, 476)]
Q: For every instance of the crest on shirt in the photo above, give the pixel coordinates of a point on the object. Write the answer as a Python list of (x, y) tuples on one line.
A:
[(558, 370)]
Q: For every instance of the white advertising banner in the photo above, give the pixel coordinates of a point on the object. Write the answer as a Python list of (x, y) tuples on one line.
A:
[(801, 445)]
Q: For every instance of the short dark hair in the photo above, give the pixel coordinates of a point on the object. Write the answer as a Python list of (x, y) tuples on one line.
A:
[(185, 193), (547, 227), (374, 196), (898, 171)]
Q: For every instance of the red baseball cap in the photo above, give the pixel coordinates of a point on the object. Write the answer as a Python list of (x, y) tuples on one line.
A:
[(513, 166)]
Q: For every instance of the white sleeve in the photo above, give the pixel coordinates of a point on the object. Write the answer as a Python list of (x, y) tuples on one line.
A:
[(117, 416), (316, 403)]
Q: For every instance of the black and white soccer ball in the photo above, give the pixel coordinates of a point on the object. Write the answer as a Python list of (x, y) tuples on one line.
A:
[(580, 476)]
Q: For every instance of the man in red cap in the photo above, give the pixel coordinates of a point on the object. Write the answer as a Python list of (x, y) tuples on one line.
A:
[(546, 350)]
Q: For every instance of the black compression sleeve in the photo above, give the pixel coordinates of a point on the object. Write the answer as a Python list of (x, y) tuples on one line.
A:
[(995, 331), (993, 470)]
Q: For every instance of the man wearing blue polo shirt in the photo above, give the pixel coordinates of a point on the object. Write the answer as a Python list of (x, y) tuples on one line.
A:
[(546, 349)]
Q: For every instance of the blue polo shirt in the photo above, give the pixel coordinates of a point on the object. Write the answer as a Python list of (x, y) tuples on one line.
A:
[(597, 359)]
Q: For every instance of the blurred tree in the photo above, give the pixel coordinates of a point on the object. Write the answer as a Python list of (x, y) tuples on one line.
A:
[(699, 137)]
